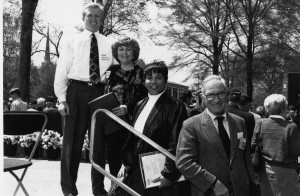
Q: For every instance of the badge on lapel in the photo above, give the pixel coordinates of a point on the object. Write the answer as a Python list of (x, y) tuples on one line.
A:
[(104, 57), (242, 140)]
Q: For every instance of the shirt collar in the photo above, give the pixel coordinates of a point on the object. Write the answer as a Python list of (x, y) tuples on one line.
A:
[(89, 33), (213, 117), (276, 116), (155, 96)]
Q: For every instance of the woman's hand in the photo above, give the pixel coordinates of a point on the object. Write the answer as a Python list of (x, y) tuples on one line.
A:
[(120, 110), (164, 182), (122, 173)]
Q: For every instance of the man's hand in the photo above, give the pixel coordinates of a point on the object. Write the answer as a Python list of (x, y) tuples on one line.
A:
[(220, 189), (120, 110), (140, 63), (164, 182), (63, 108)]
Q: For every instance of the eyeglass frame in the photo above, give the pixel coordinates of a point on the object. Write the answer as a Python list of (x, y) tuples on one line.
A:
[(214, 96)]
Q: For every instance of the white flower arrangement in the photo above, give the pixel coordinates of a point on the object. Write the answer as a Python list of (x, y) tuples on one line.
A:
[(28, 140), (11, 140), (51, 139)]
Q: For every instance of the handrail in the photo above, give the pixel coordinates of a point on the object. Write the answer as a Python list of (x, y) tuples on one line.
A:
[(132, 130)]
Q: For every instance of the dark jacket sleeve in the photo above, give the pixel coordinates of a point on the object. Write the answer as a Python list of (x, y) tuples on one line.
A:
[(175, 120)]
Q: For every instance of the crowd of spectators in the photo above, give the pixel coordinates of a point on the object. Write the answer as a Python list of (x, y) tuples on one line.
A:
[(15, 103)]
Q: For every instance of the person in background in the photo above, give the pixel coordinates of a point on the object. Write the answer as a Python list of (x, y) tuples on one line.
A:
[(213, 151), (159, 117), (292, 116), (41, 104), (17, 103), (186, 98), (51, 103), (10, 100), (260, 110), (5, 106), (234, 97), (126, 80), (32, 106), (245, 105), (281, 149)]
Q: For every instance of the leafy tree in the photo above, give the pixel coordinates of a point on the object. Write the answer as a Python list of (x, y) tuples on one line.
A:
[(246, 16), (198, 29), (282, 26), (11, 36)]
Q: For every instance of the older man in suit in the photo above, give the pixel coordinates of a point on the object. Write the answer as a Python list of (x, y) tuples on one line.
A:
[(212, 151)]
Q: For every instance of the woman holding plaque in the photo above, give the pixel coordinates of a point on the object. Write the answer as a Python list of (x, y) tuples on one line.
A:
[(126, 81), (159, 117)]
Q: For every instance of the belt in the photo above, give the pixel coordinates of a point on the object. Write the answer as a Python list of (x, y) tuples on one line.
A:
[(86, 83)]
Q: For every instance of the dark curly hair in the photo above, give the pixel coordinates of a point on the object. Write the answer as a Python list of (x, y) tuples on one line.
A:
[(126, 41), (156, 67)]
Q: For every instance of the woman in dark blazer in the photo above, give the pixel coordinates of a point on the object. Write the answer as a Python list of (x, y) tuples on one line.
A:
[(280, 139), (159, 117)]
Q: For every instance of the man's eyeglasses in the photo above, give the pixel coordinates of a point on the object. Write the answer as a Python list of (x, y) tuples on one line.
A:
[(211, 97)]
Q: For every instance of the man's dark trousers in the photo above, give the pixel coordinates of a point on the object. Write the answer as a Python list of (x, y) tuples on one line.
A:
[(76, 125)]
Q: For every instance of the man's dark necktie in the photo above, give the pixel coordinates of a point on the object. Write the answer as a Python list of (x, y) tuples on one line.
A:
[(94, 61), (223, 135)]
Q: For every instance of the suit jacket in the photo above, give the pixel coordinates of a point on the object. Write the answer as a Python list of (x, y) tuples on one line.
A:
[(248, 117), (201, 157), (162, 126)]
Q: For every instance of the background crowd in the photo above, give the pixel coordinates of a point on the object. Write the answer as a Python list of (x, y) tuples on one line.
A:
[(15, 103)]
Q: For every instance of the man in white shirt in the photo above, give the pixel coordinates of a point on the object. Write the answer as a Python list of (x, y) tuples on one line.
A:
[(17, 104), (75, 86)]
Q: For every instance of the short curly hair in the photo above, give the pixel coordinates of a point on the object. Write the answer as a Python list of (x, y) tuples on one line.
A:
[(275, 104), (126, 41), (156, 67)]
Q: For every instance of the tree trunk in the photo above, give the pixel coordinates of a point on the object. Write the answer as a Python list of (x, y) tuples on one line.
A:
[(106, 8), (28, 10), (249, 62), (216, 63)]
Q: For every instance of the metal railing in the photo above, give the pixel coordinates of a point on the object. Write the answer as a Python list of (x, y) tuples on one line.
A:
[(132, 130)]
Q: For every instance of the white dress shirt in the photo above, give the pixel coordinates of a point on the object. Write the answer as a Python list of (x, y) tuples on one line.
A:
[(74, 59), (142, 118), (225, 121)]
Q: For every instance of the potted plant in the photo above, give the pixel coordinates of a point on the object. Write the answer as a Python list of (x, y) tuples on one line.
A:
[(27, 142), (51, 142), (86, 146), (10, 145)]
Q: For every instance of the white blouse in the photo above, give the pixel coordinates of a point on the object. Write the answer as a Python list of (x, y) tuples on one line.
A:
[(141, 120)]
